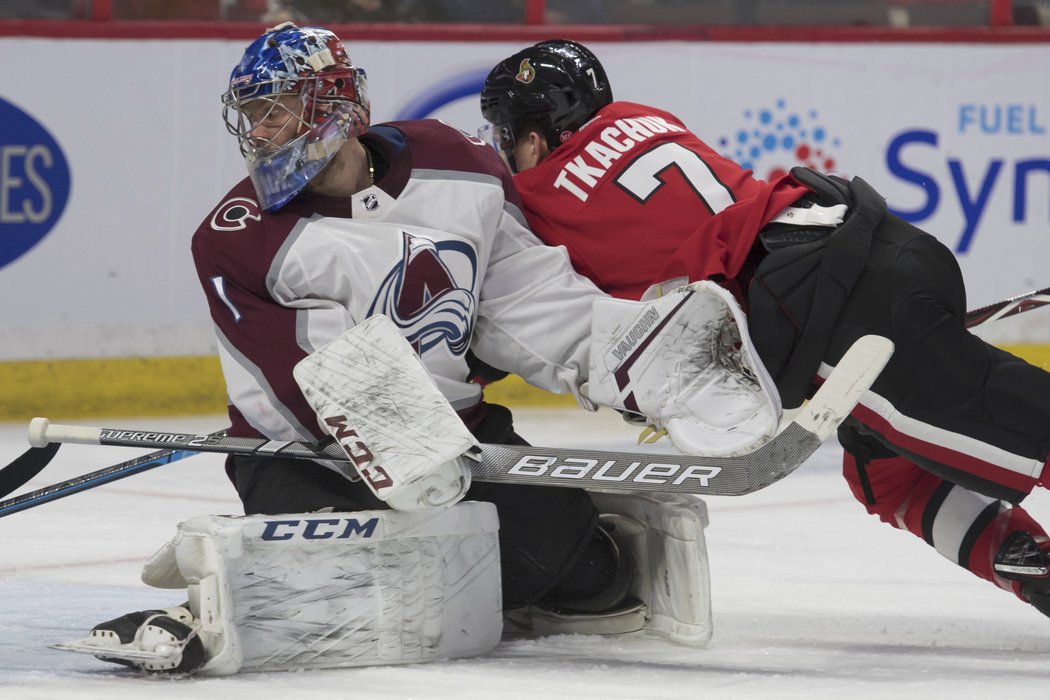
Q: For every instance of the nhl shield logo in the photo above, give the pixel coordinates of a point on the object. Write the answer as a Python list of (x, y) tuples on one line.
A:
[(526, 73), (371, 202)]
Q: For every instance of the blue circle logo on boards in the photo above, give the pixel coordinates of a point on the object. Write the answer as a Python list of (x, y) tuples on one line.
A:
[(34, 182), (445, 92)]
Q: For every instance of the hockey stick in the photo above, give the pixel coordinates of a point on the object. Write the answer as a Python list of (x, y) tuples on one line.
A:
[(1008, 307), (34, 460), (25, 467), (597, 469)]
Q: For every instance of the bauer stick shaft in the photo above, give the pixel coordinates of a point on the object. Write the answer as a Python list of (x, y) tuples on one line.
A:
[(599, 469), (14, 475)]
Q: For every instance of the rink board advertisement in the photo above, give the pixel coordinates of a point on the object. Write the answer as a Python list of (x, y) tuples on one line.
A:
[(103, 181)]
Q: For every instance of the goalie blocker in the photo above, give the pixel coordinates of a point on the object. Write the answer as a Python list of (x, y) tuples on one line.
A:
[(373, 394), (327, 590)]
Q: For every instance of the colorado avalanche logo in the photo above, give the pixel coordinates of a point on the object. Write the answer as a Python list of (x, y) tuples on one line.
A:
[(422, 297), (233, 214)]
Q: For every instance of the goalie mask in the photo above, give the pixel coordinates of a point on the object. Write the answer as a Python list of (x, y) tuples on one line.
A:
[(553, 87), (293, 100)]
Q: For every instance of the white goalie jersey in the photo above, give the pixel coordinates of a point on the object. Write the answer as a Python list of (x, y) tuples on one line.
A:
[(438, 245)]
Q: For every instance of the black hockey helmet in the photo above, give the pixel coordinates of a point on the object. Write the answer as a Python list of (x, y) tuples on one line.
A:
[(554, 87)]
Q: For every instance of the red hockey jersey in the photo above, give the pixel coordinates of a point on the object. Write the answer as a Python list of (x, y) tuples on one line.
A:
[(637, 199)]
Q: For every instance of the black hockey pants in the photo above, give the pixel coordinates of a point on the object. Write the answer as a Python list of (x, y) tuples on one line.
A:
[(955, 405), (948, 401)]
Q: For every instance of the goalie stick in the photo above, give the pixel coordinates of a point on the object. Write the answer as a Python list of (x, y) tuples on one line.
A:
[(14, 475), (595, 469)]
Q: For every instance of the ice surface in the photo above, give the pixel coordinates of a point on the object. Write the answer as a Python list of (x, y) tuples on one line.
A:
[(813, 598)]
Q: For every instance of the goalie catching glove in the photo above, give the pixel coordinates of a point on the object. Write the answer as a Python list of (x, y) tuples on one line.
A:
[(372, 393), (686, 363)]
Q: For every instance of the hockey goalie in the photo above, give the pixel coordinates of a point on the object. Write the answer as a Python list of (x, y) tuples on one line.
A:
[(347, 278), (420, 580)]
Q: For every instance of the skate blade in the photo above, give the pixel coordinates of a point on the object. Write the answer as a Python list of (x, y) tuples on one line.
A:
[(87, 646)]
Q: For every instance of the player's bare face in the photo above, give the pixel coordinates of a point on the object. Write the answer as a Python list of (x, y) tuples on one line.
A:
[(274, 122)]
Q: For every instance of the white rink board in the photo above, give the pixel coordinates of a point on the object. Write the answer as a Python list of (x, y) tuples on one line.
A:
[(954, 134)]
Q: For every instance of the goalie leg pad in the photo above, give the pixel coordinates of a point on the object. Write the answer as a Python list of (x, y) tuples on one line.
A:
[(664, 534), (630, 616), (326, 590), (685, 361), (608, 611)]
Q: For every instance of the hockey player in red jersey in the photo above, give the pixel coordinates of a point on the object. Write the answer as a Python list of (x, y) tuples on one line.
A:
[(953, 435)]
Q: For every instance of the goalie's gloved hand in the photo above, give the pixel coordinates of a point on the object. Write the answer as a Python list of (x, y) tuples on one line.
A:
[(684, 361), (444, 486)]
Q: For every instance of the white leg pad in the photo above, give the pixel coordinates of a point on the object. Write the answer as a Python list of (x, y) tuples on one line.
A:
[(324, 590), (664, 534)]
